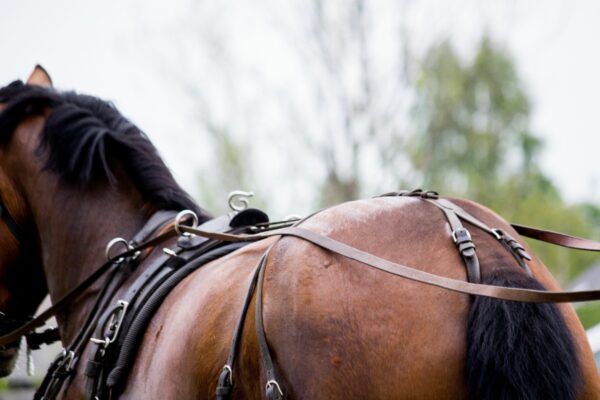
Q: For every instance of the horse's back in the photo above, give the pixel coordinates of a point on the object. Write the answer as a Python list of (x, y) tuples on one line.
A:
[(344, 330), (337, 329)]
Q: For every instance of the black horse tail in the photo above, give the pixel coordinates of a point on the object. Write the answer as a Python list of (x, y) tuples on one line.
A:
[(519, 350)]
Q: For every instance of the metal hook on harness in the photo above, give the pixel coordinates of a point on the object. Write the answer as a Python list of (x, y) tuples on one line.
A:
[(179, 219), (238, 200)]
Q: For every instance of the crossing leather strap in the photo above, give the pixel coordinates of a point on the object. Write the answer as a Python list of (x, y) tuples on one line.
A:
[(543, 235), (516, 294), (502, 293), (462, 238)]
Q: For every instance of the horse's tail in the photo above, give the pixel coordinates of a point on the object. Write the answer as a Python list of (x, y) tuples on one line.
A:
[(519, 350)]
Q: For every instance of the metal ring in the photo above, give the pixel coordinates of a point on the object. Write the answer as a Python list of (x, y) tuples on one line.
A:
[(110, 245), (273, 382), (179, 220)]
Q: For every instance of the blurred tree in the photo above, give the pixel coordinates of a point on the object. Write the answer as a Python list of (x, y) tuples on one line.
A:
[(359, 98), (471, 122), (473, 139), (364, 112)]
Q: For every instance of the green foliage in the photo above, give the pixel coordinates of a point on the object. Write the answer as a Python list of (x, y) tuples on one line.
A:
[(473, 139), (471, 121), (589, 314)]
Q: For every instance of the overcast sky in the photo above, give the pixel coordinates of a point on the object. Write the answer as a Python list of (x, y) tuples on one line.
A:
[(107, 49)]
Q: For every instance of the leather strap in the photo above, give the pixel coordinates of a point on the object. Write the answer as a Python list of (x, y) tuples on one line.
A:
[(543, 235), (225, 382), (72, 295), (466, 247), (503, 293), (517, 294), (272, 389), (557, 238)]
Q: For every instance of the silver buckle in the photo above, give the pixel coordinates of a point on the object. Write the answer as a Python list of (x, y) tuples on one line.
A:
[(273, 382), (459, 231), (116, 320)]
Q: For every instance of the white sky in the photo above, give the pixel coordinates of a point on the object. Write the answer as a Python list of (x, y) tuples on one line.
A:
[(114, 49)]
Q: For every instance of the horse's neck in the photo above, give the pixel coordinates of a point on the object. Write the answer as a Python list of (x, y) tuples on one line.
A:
[(74, 227)]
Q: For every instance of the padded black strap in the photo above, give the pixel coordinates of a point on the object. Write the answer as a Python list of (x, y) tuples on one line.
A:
[(137, 328)]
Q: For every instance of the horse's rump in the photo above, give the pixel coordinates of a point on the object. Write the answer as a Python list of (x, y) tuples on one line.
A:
[(335, 327)]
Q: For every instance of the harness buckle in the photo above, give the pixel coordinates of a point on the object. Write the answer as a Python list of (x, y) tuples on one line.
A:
[(113, 326), (498, 233), (67, 360), (273, 383), (461, 235)]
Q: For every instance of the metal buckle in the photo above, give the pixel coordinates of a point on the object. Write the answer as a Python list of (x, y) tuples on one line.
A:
[(273, 382), (463, 232), (67, 360), (498, 233), (114, 325), (227, 368)]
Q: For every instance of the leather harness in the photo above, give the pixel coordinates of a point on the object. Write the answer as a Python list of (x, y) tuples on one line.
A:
[(116, 329)]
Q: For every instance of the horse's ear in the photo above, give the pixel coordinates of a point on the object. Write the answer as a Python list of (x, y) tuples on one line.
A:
[(39, 77)]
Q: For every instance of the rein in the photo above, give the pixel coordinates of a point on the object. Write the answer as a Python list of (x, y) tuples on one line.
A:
[(78, 290)]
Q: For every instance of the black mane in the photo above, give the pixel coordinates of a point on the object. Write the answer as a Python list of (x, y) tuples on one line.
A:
[(84, 135)]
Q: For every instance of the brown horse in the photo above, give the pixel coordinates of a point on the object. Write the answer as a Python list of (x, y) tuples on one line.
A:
[(75, 174)]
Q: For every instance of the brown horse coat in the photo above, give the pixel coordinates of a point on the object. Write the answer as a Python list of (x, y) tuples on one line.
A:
[(337, 329)]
